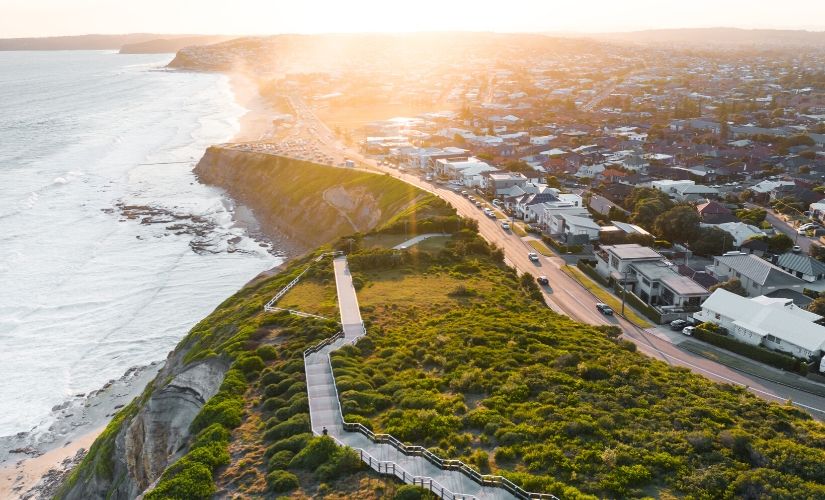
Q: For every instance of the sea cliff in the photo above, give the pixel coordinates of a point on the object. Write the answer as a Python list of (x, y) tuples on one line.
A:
[(302, 204)]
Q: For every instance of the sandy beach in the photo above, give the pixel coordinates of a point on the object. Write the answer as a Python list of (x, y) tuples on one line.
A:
[(256, 124)]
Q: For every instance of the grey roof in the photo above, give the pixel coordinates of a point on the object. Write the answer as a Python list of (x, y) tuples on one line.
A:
[(632, 251), (759, 271), (800, 299), (801, 263), (668, 276)]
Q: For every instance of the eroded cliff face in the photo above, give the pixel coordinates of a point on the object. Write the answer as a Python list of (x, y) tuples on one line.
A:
[(156, 434), (301, 204)]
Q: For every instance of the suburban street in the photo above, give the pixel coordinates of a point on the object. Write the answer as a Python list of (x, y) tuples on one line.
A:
[(564, 295)]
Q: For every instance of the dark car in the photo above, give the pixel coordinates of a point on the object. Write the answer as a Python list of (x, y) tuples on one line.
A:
[(677, 325), (542, 280), (604, 309)]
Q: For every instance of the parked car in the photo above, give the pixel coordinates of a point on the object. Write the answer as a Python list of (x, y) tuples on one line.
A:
[(465, 194), (496, 202), (604, 309), (505, 226), (688, 330), (533, 256), (478, 204), (677, 325), (542, 280), (796, 249)]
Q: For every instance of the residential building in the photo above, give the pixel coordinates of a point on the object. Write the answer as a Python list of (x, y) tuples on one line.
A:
[(775, 323), (758, 276), (650, 276), (802, 266), (714, 212), (739, 231)]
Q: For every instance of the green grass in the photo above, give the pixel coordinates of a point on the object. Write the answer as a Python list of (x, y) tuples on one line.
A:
[(518, 228), (540, 247), (459, 359), (608, 298)]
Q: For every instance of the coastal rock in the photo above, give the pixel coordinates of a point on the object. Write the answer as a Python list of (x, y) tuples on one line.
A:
[(151, 437)]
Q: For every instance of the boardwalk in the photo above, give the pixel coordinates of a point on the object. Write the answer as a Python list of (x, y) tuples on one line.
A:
[(325, 411)]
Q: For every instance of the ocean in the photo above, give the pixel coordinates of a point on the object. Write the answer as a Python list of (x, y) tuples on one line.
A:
[(110, 250)]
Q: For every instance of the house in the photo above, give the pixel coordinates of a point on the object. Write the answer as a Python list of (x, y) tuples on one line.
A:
[(650, 276), (775, 323), (501, 182), (590, 170), (467, 170), (739, 231), (802, 266), (602, 205), (694, 192), (758, 276), (575, 228), (714, 212)]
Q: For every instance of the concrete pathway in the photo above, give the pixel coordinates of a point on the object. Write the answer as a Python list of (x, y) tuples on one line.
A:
[(325, 412), (418, 239)]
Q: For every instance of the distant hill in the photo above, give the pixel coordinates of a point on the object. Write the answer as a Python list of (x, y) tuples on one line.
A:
[(107, 42), (167, 45), (719, 36)]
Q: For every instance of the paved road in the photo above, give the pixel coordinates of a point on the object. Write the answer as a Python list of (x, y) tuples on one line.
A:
[(565, 295), (325, 411)]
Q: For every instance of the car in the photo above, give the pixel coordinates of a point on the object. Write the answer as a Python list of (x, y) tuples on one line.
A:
[(688, 330), (796, 249), (533, 256), (428, 178), (604, 309), (802, 231), (809, 225), (505, 226), (542, 280), (478, 204), (465, 194), (678, 324)]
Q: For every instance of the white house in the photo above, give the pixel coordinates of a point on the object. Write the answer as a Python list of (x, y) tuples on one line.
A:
[(575, 227), (590, 170), (774, 323), (468, 170)]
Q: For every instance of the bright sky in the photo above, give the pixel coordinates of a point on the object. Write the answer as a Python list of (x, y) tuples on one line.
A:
[(20, 18)]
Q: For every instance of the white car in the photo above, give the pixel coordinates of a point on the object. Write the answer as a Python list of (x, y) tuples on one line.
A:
[(505, 226), (688, 330), (533, 256), (796, 249)]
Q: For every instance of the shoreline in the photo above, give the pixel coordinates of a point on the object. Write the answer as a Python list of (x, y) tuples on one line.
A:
[(33, 463)]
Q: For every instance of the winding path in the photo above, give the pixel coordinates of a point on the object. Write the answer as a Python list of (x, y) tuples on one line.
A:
[(384, 457)]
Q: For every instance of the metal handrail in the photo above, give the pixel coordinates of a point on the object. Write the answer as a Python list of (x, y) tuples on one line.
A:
[(269, 306)]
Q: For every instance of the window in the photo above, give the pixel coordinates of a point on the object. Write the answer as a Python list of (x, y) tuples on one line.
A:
[(645, 282)]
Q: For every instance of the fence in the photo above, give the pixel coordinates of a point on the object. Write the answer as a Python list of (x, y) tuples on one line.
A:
[(270, 306)]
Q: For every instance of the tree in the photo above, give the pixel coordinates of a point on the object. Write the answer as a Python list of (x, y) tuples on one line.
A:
[(712, 241), (518, 166), (733, 285), (779, 243), (752, 216), (680, 223), (817, 306), (553, 182)]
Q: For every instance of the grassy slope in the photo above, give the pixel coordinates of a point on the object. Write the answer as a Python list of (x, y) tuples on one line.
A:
[(288, 196), (459, 359)]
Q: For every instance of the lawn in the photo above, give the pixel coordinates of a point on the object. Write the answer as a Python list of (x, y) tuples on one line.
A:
[(540, 247), (518, 228), (312, 297), (606, 297)]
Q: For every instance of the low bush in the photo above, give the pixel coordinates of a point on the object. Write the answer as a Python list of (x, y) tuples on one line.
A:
[(281, 481), (280, 460), (758, 353)]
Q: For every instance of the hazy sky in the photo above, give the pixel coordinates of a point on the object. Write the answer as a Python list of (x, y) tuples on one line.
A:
[(20, 18)]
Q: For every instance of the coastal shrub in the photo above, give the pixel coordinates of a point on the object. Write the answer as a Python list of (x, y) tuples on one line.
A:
[(267, 352), (292, 443), (343, 461), (251, 365), (272, 377), (193, 482), (213, 433), (281, 481), (294, 425), (274, 403), (280, 460), (410, 492), (316, 452), (226, 412)]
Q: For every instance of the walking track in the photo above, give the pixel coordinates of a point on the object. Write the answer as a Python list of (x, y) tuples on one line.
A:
[(325, 413)]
